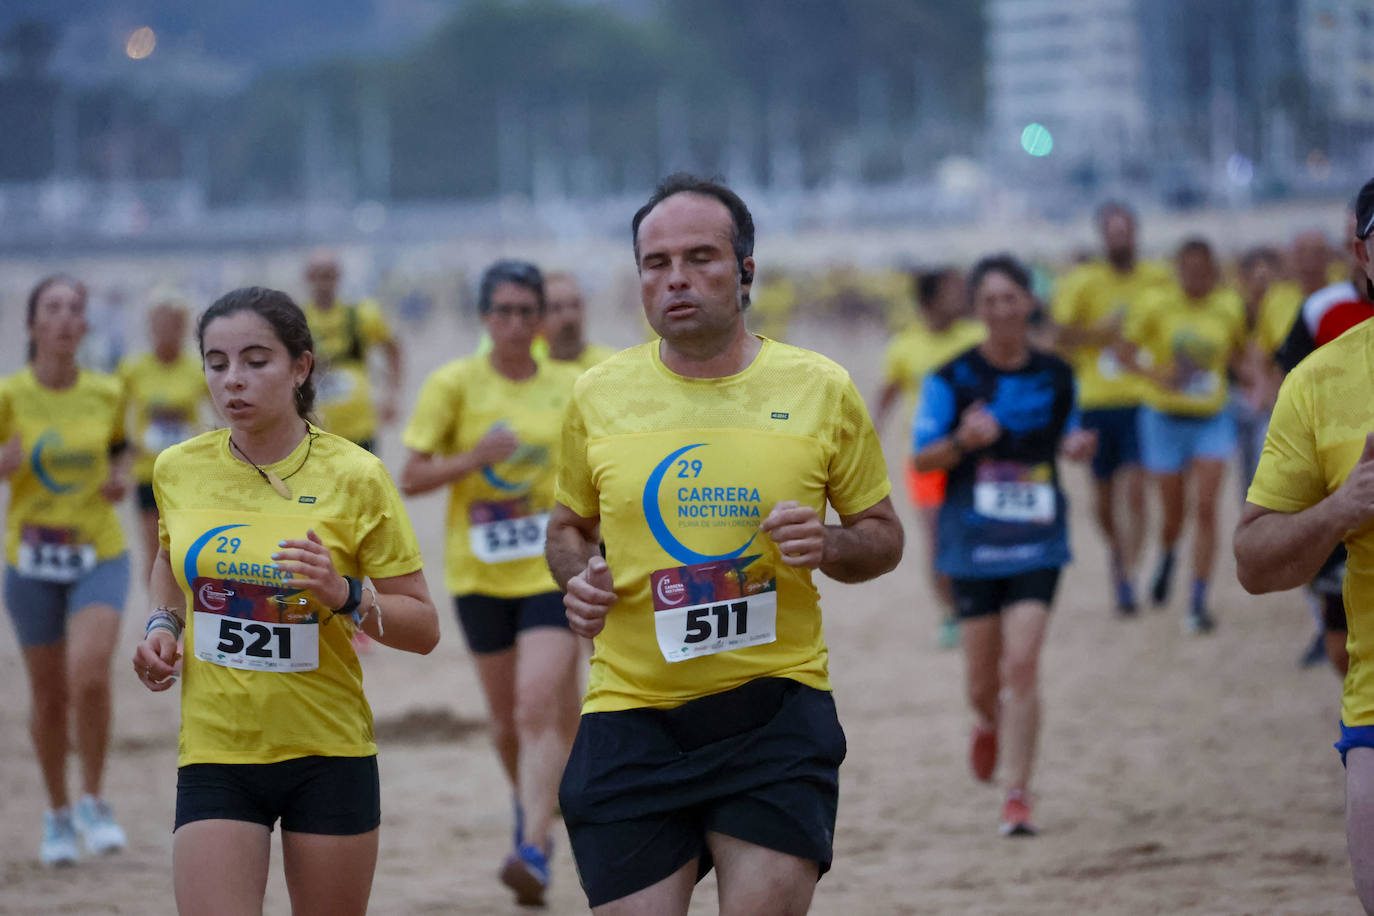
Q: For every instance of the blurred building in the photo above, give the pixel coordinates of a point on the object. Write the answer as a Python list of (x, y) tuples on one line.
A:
[(1336, 37)]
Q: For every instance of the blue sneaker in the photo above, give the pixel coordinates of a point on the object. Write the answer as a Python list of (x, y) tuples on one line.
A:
[(526, 871), (96, 823), (59, 839)]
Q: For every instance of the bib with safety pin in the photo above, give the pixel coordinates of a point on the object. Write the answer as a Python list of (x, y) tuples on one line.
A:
[(163, 432), (716, 606), (54, 554), (1008, 491), (500, 532), (254, 627)]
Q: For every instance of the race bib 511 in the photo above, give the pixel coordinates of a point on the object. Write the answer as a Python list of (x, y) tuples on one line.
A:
[(717, 606)]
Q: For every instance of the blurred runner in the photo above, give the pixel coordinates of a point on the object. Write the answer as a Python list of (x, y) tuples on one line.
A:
[(1314, 490), (165, 387), (1091, 309), (705, 459), (345, 334), (942, 331), (1189, 338), (488, 427), (994, 418), (269, 529), (67, 572), (564, 322), (1253, 389)]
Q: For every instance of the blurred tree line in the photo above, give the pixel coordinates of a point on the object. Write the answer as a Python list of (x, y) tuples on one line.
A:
[(548, 98)]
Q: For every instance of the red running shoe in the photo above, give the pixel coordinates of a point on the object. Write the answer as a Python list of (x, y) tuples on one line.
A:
[(1016, 815), (982, 752)]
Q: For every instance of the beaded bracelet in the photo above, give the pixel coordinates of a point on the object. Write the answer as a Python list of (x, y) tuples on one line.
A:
[(374, 608), (163, 618)]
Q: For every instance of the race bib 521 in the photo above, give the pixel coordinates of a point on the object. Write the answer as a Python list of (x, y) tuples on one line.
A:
[(253, 627)]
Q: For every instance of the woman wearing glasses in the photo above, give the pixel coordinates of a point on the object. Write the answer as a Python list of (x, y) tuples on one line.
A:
[(488, 427)]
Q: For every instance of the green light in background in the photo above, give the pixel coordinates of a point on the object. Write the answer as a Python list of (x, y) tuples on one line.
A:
[(1036, 140)]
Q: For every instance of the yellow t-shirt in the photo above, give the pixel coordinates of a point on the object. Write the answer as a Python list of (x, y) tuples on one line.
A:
[(591, 355), (250, 693), (1316, 435), (681, 473), (166, 399), (918, 351), (496, 516), (1089, 295), (58, 525), (343, 391), (1194, 340), (1277, 312)]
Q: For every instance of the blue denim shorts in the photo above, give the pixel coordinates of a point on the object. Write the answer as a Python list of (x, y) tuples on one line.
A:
[(1168, 443), (39, 609)]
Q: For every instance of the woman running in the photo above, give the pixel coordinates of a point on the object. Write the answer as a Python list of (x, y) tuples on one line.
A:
[(488, 427), (995, 417), (268, 529), (1188, 338), (67, 573), (165, 387)]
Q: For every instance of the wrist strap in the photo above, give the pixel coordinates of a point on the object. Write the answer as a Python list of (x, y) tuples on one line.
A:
[(355, 596)]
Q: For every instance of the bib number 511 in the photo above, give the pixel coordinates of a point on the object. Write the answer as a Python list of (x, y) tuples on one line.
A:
[(699, 623), (235, 636)]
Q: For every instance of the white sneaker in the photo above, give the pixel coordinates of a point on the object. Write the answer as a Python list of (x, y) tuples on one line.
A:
[(59, 838), (97, 826)]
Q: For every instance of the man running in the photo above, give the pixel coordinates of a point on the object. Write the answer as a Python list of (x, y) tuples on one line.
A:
[(564, 320), (345, 334), (705, 460), (1314, 490), (1091, 309)]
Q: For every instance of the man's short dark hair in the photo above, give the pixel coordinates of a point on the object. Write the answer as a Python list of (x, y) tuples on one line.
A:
[(742, 233), (928, 284), (1196, 244), (1110, 208)]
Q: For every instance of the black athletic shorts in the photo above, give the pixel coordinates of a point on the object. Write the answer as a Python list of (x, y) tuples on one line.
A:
[(644, 786), (146, 501), (492, 624), (336, 796), (981, 597)]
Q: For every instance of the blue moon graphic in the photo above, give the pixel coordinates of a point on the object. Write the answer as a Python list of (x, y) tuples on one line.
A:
[(49, 438), (659, 528), (500, 483), (192, 563)]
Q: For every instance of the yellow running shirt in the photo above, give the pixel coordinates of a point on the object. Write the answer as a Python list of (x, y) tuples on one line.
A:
[(58, 526), (1316, 435), (1194, 341), (1088, 296), (166, 399), (682, 472), (269, 674), (343, 336), (496, 515), (917, 351), (1278, 310)]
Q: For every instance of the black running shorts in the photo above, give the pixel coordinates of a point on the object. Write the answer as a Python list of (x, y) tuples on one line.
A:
[(643, 787), (981, 597), (492, 624), (335, 796)]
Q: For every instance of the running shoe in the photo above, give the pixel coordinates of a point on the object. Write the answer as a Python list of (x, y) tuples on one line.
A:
[(1199, 622), (1016, 815), (1163, 581), (948, 637), (526, 871), (96, 823), (982, 752), (59, 839)]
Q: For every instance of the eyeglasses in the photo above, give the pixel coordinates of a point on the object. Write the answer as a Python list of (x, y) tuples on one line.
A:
[(515, 311)]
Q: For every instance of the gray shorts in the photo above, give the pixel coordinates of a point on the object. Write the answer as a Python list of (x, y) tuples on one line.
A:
[(39, 609)]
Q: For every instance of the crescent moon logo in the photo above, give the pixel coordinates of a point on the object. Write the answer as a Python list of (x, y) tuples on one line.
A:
[(659, 528), (500, 483), (670, 592), (192, 563), (49, 439)]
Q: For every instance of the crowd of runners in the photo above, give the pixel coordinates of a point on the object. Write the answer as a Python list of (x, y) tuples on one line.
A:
[(632, 538)]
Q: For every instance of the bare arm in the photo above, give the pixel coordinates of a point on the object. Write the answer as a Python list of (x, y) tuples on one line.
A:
[(408, 620), (886, 399), (424, 472), (156, 655), (1276, 551), (391, 352), (573, 552), (977, 428)]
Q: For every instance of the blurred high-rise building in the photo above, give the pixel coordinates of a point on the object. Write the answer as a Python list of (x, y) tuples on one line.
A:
[(1336, 37)]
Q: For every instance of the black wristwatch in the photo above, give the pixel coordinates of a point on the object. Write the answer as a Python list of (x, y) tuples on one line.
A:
[(355, 596)]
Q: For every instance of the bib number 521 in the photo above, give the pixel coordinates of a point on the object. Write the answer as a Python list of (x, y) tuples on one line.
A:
[(254, 639)]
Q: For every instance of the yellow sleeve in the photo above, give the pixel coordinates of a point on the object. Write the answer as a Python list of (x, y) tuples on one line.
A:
[(895, 370), (575, 487), (163, 538), (1140, 321), (857, 476), (1289, 477), (436, 411), (6, 414), (372, 324), (118, 434), (388, 546), (1064, 306)]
